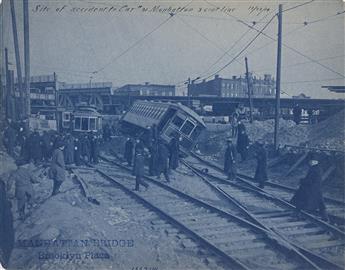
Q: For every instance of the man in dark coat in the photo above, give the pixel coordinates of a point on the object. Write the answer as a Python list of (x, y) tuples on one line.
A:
[(261, 167), (6, 227), (46, 145), (128, 155), (10, 138), (139, 169), (24, 191), (153, 149), (174, 147), (106, 132), (69, 149), (94, 148), (35, 145), (57, 168), (230, 161), (85, 148), (242, 144), (309, 194), (163, 160), (77, 151), (297, 113)]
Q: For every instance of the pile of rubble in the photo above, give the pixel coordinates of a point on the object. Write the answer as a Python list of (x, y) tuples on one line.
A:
[(327, 134)]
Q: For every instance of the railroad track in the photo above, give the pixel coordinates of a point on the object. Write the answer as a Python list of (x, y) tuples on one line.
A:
[(320, 241), (335, 208), (238, 243)]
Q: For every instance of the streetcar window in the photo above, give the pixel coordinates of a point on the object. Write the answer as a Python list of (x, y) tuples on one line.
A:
[(84, 123), (187, 127), (177, 121), (92, 123), (195, 132), (77, 123)]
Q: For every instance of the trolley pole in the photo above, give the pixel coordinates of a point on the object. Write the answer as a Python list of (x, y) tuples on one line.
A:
[(27, 56), (7, 91), (279, 52), (18, 66), (249, 92)]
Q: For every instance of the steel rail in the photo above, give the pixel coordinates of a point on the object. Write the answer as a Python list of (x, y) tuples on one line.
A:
[(270, 235), (301, 250)]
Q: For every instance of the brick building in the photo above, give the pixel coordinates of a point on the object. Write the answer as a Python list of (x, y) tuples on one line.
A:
[(146, 89), (234, 87)]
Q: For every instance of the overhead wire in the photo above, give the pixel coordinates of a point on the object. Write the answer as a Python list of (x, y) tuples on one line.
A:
[(245, 47), (284, 44), (137, 42)]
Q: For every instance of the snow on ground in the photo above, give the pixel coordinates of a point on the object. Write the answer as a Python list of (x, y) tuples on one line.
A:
[(70, 219)]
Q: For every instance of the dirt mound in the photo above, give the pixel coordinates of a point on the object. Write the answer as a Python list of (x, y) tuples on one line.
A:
[(328, 134)]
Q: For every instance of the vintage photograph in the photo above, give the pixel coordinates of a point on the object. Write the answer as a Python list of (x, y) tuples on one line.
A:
[(172, 135)]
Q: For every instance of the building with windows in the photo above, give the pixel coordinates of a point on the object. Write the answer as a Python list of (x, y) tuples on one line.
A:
[(234, 87), (146, 89)]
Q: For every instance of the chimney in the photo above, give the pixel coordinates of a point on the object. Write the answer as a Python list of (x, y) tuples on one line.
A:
[(216, 76), (267, 77), (234, 77), (147, 83)]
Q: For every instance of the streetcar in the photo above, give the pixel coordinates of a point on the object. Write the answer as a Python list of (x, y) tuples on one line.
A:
[(84, 119), (169, 119)]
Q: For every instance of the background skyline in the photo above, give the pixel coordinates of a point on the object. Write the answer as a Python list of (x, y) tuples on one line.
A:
[(136, 47)]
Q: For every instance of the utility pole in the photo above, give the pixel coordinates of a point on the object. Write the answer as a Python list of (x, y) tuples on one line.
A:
[(7, 80), (279, 56), (188, 92), (27, 56), (17, 54), (249, 92)]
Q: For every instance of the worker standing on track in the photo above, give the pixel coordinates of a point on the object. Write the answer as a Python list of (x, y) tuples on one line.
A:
[(153, 149), (139, 170), (309, 194), (57, 169), (261, 167), (69, 149), (174, 147), (128, 155), (242, 144), (163, 160), (230, 160), (77, 151)]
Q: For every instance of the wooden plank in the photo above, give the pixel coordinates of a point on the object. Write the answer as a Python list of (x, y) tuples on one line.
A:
[(325, 244), (274, 215), (291, 224), (314, 237), (232, 239), (297, 163), (299, 231), (247, 246)]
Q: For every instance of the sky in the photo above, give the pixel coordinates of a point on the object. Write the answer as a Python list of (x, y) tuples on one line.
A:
[(133, 42)]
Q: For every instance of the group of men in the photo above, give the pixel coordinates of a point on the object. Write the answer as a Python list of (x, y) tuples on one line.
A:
[(38, 146), (160, 156)]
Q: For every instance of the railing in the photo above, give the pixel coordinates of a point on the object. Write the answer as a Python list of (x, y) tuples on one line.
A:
[(86, 85), (41, 78)]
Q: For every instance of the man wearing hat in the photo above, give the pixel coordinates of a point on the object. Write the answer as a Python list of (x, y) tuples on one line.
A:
[(230, 160), (261, 167), (309, 194), (57, 168), (139, 169), (24, 191)]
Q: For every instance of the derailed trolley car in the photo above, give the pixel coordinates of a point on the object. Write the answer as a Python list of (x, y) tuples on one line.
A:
[(169, 119)]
